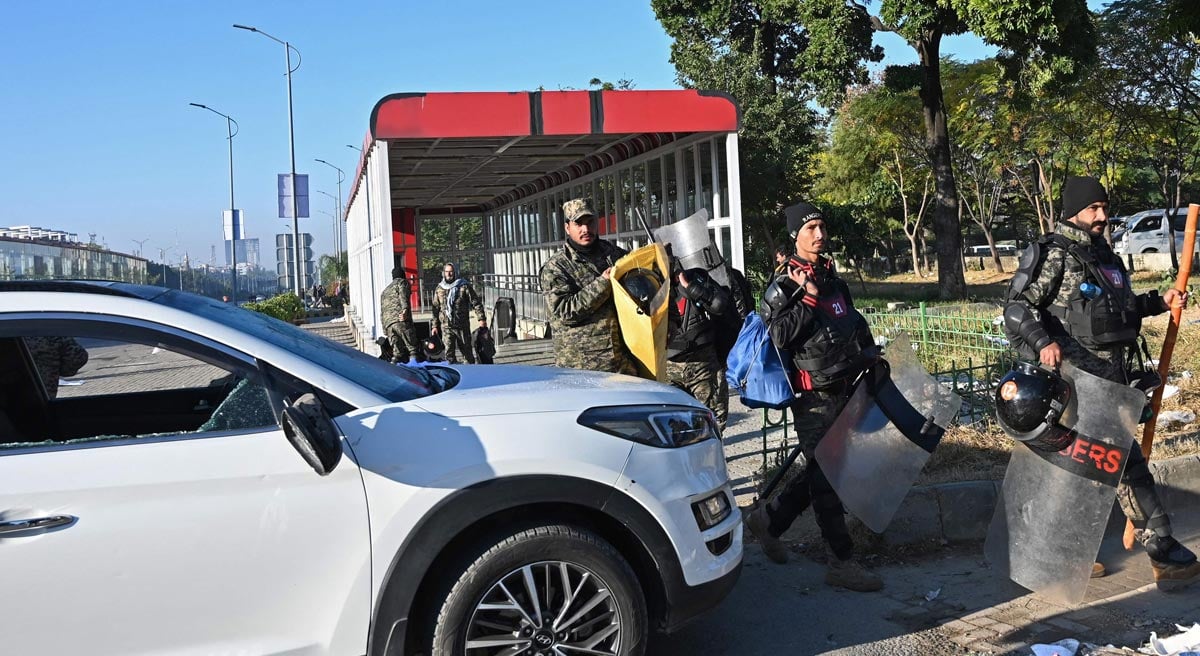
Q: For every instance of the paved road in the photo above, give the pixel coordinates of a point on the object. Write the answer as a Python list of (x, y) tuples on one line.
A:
[(786, 609)]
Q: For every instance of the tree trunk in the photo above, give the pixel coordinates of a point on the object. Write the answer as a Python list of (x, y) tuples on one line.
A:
[(946, 227)]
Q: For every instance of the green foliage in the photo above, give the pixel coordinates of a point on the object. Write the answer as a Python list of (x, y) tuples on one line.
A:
[(765, 54), (334, 267), (285, 307)]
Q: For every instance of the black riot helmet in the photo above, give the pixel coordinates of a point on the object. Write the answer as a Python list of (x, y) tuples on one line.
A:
[(1029, 402), (642, 284), (435, 350)]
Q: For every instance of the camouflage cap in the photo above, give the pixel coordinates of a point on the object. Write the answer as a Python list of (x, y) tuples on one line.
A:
[(576, 209)]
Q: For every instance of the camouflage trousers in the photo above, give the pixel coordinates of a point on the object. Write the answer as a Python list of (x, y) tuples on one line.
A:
[(1137, 494), (458, 339), (403, 339), (812, 414), (703, 377)]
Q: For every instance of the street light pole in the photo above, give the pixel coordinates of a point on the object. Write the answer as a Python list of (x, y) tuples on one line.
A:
[(337, 227), (234, 224), (298, 287), (337, 257)]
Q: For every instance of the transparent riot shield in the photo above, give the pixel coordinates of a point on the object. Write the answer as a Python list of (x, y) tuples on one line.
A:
[(691, 244), (878, 445), (1054, 505)]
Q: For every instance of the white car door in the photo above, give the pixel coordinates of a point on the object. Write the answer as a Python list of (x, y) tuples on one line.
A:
[(215, 540)]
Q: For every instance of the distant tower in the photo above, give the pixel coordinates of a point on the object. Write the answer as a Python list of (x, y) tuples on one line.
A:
[(91, 238), (212, 259)]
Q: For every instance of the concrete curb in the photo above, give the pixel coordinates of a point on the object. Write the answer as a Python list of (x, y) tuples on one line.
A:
[(961, 512)]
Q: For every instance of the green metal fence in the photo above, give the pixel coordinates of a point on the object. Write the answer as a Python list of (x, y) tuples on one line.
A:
[(963, 346)]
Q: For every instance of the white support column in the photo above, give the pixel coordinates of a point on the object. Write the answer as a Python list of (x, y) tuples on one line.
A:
[(680, 186), (715, 176), (737, 257)]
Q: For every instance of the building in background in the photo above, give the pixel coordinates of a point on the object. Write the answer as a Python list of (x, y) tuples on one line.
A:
[(248, 253), (53, 256)]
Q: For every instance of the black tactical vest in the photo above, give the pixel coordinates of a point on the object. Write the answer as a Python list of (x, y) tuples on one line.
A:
[(1108, 320), (695, 329), (835, 347)]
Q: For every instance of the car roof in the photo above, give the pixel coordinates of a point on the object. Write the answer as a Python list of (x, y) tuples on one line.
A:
[(105, 287)]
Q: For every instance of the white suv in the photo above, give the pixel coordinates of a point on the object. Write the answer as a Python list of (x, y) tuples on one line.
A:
[(183, 476)]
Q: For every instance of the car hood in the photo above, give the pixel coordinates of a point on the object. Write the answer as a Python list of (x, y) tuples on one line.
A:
[(515, 389)]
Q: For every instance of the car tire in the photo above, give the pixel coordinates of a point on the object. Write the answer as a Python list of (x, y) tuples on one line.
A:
[(542, 562)]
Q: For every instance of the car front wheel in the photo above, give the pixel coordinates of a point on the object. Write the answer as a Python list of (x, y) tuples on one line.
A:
[(545, 591)]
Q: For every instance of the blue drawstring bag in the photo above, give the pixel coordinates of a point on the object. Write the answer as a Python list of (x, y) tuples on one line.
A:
[(756, 370)]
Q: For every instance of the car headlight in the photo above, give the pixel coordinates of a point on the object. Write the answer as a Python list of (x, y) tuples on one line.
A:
[(656, 425)]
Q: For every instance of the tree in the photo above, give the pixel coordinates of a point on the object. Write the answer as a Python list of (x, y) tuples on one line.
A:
[(333, 267), (1040, 43), (876, 159), (1151, 75), (765, 53)]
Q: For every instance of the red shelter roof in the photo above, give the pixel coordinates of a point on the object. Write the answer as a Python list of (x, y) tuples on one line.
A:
[(470, 151)]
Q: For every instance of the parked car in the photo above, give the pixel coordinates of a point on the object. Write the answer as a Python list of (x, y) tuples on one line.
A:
[(1003, 250), (1146, 232), (217, 481)]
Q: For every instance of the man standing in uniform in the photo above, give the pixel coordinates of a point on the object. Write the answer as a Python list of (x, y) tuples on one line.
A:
[(575, 281), (812, 315), (396, 311), (453, 301), (1070, 299)]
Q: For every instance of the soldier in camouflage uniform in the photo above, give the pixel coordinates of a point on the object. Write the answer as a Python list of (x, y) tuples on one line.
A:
[(453, 301), (575, 280), (1051, 317), (56, 357), (396, 311)]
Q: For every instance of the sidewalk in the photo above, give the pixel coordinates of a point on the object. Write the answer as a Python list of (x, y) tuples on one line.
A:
[(939, 530)]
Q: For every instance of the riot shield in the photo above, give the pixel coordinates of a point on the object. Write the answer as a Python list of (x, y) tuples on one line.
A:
[(877, 446), (691, 244), (1054, 505), (644, 321)]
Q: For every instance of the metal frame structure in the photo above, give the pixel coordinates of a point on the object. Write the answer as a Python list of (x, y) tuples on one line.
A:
[(479, 179)]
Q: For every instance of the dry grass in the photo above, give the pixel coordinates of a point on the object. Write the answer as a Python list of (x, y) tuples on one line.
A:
[(976, 452)]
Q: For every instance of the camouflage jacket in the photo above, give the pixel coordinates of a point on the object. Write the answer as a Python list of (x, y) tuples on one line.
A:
[(1054, 283), (457, 317), (583, 317), (56, 357), (395, 302)]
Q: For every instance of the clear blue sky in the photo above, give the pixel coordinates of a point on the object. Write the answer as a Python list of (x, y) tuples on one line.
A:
[(96, 134)]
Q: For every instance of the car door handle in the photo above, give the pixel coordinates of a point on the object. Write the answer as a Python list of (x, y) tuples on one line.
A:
[(35, 524)]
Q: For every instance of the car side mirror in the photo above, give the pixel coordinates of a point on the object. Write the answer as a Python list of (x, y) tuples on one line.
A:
[(312, 432)]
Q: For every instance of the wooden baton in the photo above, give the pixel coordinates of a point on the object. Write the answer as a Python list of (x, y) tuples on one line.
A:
[(1168, 347)]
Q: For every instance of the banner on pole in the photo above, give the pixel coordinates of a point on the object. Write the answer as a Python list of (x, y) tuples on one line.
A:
[(232, 221), (285, 195)]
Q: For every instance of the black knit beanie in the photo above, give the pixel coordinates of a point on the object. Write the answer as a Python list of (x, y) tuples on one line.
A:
[(1080, 191), (799, 214)]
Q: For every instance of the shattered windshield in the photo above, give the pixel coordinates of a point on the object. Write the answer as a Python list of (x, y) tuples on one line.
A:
[(392, 382)]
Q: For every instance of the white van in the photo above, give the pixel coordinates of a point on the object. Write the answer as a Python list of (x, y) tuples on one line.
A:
[(1146, 232)]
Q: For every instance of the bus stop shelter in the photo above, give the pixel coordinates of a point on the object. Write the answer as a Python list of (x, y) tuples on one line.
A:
[(478, 179)]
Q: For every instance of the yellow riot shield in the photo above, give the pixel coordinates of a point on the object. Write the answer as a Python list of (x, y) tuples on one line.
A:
[(643, 318)]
